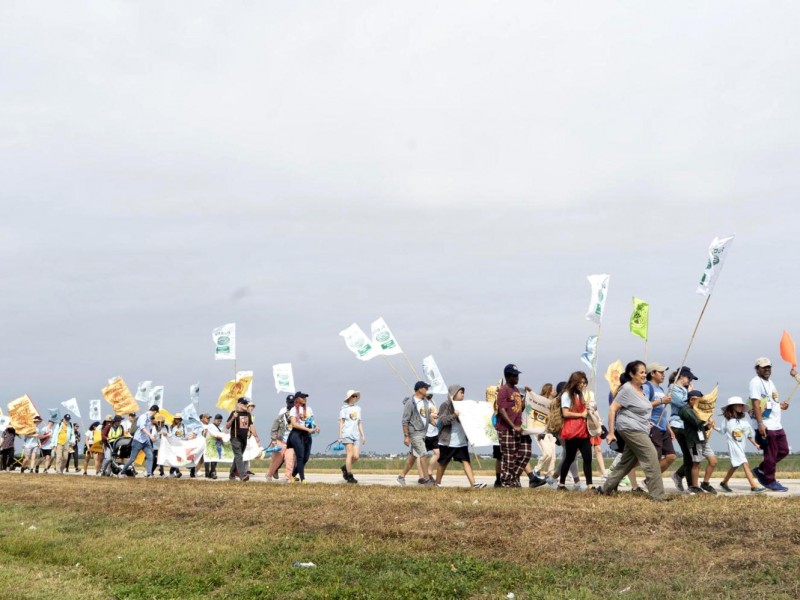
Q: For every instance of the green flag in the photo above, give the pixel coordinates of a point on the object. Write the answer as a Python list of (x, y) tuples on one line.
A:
[(639, 318)]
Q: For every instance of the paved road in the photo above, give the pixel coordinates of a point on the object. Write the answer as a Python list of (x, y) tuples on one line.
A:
[(739, 486)]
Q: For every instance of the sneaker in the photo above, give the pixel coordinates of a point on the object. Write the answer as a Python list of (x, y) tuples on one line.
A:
[(430, 482), (626, 482), (352, 479), (422, 481), (36, 470), (758, 490), (678, 481), (401, 480), (478, 486), (694, 490), (304, 481), (535, 481), (246, 478), (146, 476), (498, 483), (726, 488), (344, 472), (562, 488), (275, 476), (639, 491), (776, 487), (230, 477), (178, 474), (579, 487), (760, 476), (549, 480), (708, 488)]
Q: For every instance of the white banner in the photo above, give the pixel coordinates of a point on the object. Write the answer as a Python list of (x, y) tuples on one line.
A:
[(433, 376), (383, 339), (173, 452), (225, 341), (536, 414), (156, 397), (597, 303), (589, 355), (284, 378), (476, 419), (72, 406), (717, 252), (94, 410), (239, 375), (143, 391), (358, 343), (4, 422), (194, 394), (217, 450)]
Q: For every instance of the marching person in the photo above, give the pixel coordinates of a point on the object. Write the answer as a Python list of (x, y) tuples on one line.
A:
[(177, 431), (7, 448), (111, 432), (680, 385), (160, 431), (453, 443), (94, 448), (74, 449), (212, 430), (515, 447), (575, 432), (64, 436), (416, 418), (545, 466), (629, 418), (46, 446), (30, 447), (737, 432), (301, 418), (240, 424), (142, 441), (351, 433), (660, 433), (767, 415)]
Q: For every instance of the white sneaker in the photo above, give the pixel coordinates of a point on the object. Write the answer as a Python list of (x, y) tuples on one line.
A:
[(579, 487)]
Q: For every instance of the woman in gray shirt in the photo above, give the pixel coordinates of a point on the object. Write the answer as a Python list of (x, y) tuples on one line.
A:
[(629, 418)]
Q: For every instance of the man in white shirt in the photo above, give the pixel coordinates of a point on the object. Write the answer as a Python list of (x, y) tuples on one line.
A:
[(767, 415)]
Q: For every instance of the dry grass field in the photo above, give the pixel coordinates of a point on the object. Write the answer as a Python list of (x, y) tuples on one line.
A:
[(74, 537)]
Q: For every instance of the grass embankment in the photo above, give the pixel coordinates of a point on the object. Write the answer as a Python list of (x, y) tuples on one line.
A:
[(69, 537)]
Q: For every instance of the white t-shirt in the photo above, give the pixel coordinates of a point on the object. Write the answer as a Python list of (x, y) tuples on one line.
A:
[(765, 391), (351, 415), (736, 432), (307, 412), (425, 406)]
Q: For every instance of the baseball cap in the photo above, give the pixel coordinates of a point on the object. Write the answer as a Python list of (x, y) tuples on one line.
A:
[(656, 367), (300, 395), (217, 417), (242, 401), (511, 369), (67, 418), (155, 407), (420, 385), (763, 362), (117, 419), (695, 394), (688, 372), (37, 418)]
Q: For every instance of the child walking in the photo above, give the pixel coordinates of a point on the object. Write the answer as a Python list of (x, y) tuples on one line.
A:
[(736, 429), (695, 431), (351, 433)]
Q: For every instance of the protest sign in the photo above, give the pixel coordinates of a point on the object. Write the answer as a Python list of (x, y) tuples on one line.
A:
[(536, 414), (21, 413), (173, 452), (476, 419), (119, 397), (704, 408), (224, 342)]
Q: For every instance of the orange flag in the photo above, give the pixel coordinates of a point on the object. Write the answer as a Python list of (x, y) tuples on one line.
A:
[(788, 352)]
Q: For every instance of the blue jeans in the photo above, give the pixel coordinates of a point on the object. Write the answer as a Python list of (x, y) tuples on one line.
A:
[(147, 448)]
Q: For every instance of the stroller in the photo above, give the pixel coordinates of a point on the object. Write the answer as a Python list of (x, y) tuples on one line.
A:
[(120, 453)]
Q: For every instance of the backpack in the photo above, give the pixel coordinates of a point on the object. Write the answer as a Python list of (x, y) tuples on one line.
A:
[(555, 421)]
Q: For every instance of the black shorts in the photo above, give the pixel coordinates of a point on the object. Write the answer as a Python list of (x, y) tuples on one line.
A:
[(497, 454), (431, 443), (446, 454), (48, 452), (662, 440)]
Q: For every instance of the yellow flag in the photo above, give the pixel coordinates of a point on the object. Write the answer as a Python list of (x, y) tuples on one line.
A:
[(613, 372), (704, 408), (168, 416), (22, 411), (640, 317), (119, 396), (232, 391)]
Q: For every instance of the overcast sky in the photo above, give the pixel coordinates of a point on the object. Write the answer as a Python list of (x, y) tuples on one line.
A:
[(457, 168)]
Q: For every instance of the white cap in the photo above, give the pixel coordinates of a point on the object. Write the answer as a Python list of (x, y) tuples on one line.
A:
[(351, 393), (734, 400)]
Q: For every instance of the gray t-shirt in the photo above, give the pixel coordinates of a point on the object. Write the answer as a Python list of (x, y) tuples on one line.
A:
[(635, 412)]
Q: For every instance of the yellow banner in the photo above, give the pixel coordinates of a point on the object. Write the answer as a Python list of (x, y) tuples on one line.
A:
[(22, 411), (232, 391), (168, 417), (704, 408), (120, 398), (613, 372)]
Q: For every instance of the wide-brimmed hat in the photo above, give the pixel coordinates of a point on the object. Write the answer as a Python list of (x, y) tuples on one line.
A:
[(351, 393), (734, 400)]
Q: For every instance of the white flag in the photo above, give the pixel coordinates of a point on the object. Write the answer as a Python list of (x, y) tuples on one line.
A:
[(4, 422), (597, 304), (358, 343), (383, 339), (284, 379), (588, 356), (143, 391), (225, 341), (239, 375), (156, 397), (717, 252), (433, 376), (94, 410), (72, 406), (194, 393)]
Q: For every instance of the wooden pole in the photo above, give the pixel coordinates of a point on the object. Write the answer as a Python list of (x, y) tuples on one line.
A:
[(594, 362), (411, 366), (797, 385), (396, 372), (645, 350)]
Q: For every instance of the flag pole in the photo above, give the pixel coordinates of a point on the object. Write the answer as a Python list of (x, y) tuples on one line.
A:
[(797, 385), (594, 362), (411, 366), (645, 350), (396, 372), (686, 355)]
